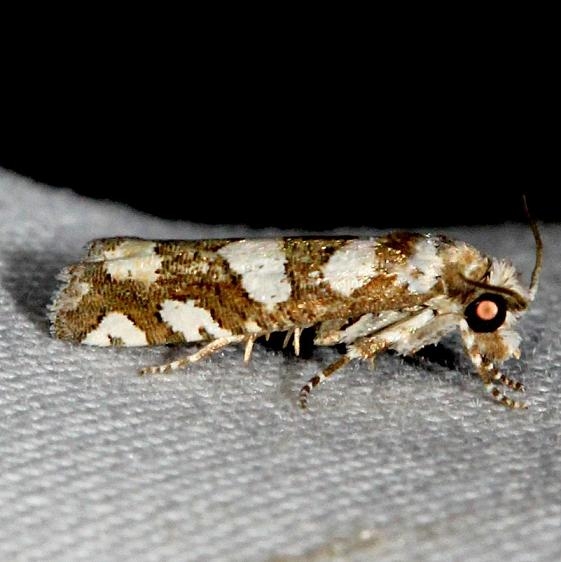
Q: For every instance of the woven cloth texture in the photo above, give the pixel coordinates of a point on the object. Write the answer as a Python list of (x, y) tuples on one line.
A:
[(405, 460)]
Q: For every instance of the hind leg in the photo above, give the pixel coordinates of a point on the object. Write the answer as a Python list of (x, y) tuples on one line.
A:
[(209, 349)]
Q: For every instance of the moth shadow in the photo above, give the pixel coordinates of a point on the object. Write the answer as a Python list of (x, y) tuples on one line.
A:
[(279, 342), (30, 277), (434, 356), (292, 378)]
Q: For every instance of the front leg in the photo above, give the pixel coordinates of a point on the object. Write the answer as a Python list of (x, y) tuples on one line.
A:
[(331, 332)]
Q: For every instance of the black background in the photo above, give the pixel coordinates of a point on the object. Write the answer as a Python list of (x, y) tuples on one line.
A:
[(322, 186), (319, 144)]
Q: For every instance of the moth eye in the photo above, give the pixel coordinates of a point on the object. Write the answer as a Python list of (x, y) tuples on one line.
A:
[(486, 313)]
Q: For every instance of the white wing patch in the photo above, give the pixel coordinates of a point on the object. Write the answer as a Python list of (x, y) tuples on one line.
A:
[(260, 263), (116, 326), (190, 320), (422, 270), (133, 259), (351, 266)]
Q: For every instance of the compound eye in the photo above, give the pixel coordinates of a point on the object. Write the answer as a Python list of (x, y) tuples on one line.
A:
[(486, 313)]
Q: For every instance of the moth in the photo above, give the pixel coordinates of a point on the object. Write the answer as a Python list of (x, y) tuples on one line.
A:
[(400, 291)]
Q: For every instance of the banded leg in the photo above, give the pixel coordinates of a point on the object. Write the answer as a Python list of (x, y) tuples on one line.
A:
[(503, 399), (370, 335), (491, 376), (508, 382), (362, 348), (316, 379), (207, 350)]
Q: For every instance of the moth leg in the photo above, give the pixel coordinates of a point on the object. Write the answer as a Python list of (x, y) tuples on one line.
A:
[(510, 383), (491, 376), (316, 379), (400, 330), (503, 399), (296, 332), (287, 337), (363, 348), (333, 332), (329, 332), (296, 341), (207, 350), (248, 348)]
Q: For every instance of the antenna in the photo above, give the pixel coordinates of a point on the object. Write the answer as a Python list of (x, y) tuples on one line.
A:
[(539, 250)]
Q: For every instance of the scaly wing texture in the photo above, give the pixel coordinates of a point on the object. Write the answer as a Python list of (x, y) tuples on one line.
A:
[(129, 291)]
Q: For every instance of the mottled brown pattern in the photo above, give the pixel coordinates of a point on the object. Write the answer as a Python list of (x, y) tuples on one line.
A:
[(193, 270), (315, 301), (459, 258), (188, 250), (134, 299), (397, 247), (311, 298)]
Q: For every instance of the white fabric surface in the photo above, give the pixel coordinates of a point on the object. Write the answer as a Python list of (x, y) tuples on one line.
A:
[(409, 461)]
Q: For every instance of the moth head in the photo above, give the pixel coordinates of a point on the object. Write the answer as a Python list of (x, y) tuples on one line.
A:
[(495, 304)]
